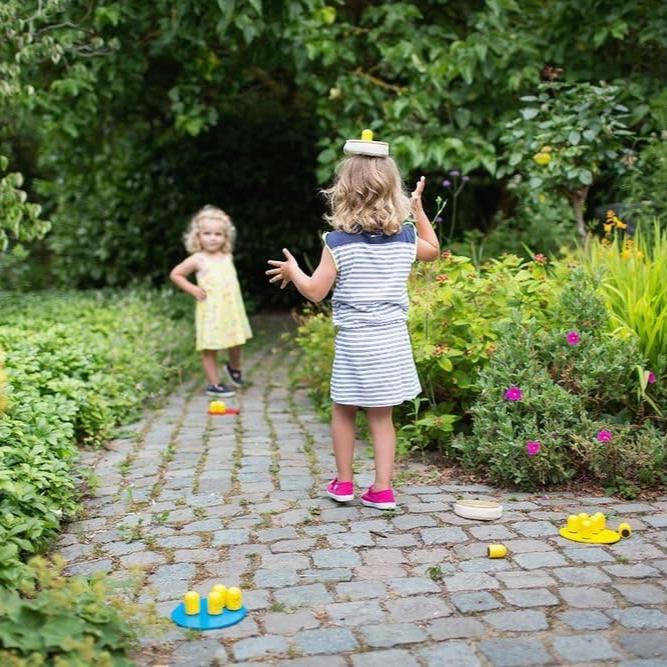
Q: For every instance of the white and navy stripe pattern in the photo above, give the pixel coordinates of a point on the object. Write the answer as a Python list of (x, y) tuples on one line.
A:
[(373, 364)]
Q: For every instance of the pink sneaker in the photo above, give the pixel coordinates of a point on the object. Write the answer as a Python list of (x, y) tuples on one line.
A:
[(382, 500), (340, 491)]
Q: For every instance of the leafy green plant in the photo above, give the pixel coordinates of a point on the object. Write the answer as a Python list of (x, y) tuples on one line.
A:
[(76, 364), (563, 137), (643, 189), (555, 398), (633, 281), (53, 620)]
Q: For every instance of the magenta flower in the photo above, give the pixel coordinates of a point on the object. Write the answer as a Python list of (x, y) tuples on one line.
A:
[(651, 377), (573, 338), (604, 435), (513, 394), (533, 447)]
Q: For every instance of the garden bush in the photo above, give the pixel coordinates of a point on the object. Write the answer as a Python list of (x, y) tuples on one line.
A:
[(454, 307), (53, 620), (565, 400), (77, 364)]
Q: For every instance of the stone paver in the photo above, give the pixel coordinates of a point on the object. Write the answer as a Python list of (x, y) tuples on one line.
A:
[(192, 500)]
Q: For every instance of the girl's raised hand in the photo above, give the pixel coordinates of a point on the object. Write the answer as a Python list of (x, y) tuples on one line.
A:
[(284, 270), (416, 196)]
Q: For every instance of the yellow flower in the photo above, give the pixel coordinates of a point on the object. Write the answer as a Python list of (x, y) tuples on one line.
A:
[(620, 224), (542, 158), (608, 227)]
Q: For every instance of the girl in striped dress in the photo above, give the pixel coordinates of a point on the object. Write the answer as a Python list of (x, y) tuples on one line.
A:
[(368, 256)]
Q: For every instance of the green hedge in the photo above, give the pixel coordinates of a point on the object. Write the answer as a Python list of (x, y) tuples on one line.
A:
[(77, 364)]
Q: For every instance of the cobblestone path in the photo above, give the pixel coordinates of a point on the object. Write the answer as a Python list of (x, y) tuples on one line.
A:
[(194, 500)]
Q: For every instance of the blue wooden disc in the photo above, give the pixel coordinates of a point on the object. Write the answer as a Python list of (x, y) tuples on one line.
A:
[(203, 620)]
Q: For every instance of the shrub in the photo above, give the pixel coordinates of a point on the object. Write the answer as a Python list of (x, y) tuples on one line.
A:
[(76, 364), (59, 621), (578, 393), (453, 309)]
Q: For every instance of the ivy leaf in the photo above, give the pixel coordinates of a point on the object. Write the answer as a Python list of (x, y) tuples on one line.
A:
[(529, 113), (574, 137)]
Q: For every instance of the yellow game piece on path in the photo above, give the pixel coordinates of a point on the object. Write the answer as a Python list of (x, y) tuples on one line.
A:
[(592, 530)]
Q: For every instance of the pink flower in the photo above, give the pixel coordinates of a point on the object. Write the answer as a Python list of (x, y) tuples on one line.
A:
[(604, 435), (651, 377), (513, 394), (573, 338), (533, 447)]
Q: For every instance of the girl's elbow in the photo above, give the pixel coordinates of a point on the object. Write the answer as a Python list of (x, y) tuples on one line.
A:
[(429, 255)]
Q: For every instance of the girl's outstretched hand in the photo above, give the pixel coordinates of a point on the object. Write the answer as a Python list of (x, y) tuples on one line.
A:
[(284, 271), (416, 196)]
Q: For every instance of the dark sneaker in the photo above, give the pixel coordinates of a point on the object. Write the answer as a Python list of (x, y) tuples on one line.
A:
[(235, 375), (219, 390)]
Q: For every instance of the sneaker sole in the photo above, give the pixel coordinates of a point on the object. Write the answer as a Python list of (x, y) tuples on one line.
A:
[(378, 506), (231, 379), (217, 394), (340, 499)]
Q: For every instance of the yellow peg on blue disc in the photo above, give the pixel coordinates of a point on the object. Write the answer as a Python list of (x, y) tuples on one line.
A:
[(222, 589), (215, 603), (367, 135), (234, 598), (191, 603)]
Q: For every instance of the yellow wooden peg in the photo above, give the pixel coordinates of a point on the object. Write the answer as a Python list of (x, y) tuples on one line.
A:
[(191, 603), (215, 603), (234, 598)]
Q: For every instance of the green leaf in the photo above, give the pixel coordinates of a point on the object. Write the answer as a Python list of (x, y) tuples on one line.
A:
[(574, 137), (529, 113), (585, 176)]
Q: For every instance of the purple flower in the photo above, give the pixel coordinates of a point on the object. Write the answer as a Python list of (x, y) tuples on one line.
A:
[(446, 184), (651, 377), (533, 447), (513, 394), (604, 435), (454, 173), (465, 179), (573, 338), (439, 219)]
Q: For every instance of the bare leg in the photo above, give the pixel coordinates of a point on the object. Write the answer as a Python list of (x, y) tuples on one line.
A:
[(343, 433), (235, 357), (210, 363), (384, 445)]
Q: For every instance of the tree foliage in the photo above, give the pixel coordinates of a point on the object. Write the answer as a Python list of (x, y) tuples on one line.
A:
[(132, 102)]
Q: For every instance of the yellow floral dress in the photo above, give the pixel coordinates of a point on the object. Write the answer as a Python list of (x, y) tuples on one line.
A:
[(221, 320)]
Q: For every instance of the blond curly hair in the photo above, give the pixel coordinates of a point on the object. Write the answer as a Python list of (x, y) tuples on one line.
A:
[(367, 195), (191, 237)]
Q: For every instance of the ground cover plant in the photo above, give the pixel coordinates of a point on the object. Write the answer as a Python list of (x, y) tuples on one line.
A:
[(71, 622), (76, 365), (564, 398)]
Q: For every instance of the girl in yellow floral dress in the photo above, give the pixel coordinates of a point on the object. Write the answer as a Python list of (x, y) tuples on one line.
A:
[(221, 320)]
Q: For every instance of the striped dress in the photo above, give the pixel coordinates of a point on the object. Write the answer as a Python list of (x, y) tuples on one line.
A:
[(373, 363)]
